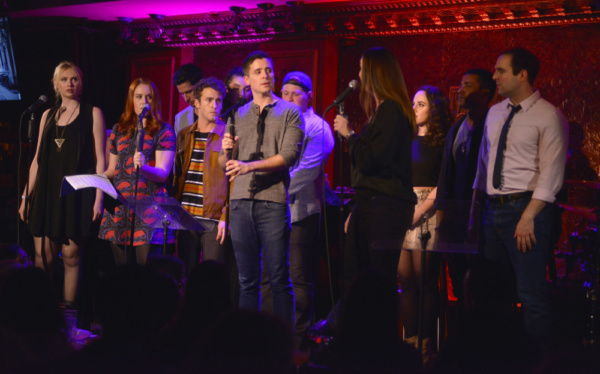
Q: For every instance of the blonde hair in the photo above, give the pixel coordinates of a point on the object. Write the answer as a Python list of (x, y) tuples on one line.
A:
[(60, 68)]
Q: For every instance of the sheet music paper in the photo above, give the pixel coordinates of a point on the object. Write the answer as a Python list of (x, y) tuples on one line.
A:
[(73, 183)]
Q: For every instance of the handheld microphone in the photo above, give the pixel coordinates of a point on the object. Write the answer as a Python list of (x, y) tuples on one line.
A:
[(41, 100), (231, 130), (340, 99)]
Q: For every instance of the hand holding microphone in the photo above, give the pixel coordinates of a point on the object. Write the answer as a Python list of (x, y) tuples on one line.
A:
[(139, 159), (229, 142), (342, 126)]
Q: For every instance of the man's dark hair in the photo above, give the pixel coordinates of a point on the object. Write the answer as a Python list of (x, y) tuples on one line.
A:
[(486, 81), (256, 55), (187, 72), (235, 72), (210, 82), (522, 59)]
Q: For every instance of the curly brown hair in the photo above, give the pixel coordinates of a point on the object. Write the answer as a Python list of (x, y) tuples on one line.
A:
[(439, 120)]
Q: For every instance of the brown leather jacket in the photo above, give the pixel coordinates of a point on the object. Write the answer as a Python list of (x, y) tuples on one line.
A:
[(215, 183)]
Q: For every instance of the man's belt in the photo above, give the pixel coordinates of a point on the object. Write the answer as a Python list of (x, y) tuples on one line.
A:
[(502, 199)]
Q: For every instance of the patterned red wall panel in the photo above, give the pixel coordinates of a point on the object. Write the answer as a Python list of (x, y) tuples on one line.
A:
[(569, 76), (218, 60)]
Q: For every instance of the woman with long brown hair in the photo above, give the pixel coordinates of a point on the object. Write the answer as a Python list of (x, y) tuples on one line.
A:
[(155, 162), (384, 201), (433, 120), (70, 141), (380, 158)]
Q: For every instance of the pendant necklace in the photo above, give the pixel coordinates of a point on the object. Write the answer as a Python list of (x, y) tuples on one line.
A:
[(60, 140)]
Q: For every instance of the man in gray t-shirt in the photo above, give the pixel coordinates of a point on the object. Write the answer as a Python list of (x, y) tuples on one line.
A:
[(261, 142)]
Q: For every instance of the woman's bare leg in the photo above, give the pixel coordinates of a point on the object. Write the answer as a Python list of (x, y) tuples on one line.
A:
[(50, 248), (70, 253)]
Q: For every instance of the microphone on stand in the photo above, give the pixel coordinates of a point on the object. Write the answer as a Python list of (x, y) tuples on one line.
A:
[(30, 126), (145, 110), (231, 111), (340, 99), (140, 133), (41, 100)]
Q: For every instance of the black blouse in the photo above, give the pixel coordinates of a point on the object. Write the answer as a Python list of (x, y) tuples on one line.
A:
[(380, 155), (427, 161)]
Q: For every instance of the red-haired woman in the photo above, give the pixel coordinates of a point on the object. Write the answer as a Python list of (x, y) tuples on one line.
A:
[(155, 163)]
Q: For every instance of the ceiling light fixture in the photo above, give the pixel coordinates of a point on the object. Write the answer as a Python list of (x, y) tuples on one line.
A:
[(264, 22), (156, 30), (236, 21), (125, 32)]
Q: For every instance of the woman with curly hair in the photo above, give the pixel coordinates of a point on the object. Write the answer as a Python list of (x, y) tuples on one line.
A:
[(155, 163), (433, 120)]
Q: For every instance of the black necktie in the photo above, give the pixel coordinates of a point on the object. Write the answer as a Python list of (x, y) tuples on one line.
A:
[(497, 179)]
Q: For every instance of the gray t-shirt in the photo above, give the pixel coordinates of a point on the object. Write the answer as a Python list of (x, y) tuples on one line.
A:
[(278, 130)]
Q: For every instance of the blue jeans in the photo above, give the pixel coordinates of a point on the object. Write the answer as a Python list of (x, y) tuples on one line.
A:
[(529, 268), (304, 247), (263, 225)]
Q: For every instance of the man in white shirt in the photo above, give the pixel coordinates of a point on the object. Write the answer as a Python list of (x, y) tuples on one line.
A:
[(185, 78), (521, 179), (306, 192)]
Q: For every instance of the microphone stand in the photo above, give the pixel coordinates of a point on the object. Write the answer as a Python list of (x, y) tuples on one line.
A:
[(139, 146), (342, 237), (30, 129), (229, 157), (30, 126)]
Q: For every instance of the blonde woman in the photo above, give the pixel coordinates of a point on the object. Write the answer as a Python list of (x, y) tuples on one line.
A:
[(71, 141)]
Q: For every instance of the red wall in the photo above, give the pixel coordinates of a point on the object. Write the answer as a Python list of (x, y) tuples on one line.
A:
[(569, 76)]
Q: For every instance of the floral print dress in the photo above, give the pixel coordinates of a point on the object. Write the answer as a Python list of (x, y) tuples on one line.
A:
[(116, 226)]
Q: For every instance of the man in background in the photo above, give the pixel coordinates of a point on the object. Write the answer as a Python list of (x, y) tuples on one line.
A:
[(184, 79), (306, 194)]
